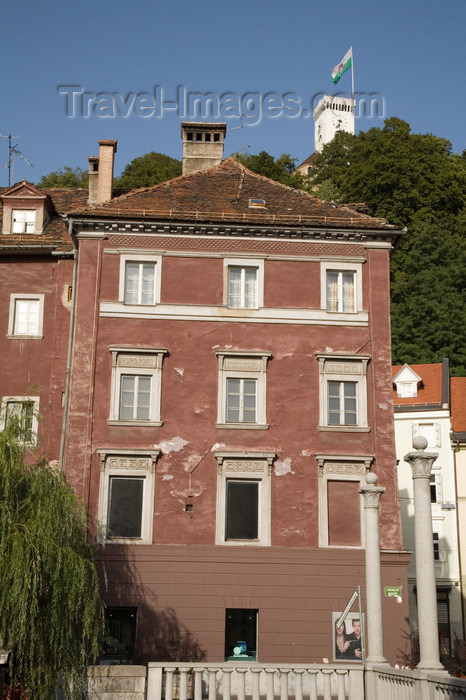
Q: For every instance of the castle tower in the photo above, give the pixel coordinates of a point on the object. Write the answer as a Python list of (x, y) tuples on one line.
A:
[(332, 114)]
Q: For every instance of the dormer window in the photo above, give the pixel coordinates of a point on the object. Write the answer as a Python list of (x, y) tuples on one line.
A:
[(23, 221), (406, 382), (406, 390)]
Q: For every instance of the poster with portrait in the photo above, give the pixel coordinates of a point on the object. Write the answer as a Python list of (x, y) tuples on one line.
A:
[(348, 638)]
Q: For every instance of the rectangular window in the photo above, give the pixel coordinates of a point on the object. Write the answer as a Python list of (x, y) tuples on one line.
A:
[(242, 510), (121, 634), (139, 283), (242, 287), (126, 495), (243, 498), (140, 279), (436, 540), (241, 634), (26, 315), (125, 507), (342, 403), (135, 397), (136, 386), (23, 411), (431, 431), (242, 389), (241, 400), (341, 291), (343, 392), (24, 220)]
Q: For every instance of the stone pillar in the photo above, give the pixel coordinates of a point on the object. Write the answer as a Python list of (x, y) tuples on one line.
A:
[(421, 465), (374, 625)]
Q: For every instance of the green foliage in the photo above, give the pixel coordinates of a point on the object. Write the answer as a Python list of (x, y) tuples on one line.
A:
[(66, 177), (412, 180), (148, 170), (280, 169), (52, 616)]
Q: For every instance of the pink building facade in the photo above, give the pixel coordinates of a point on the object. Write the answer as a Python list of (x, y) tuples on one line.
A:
[(230, 388)]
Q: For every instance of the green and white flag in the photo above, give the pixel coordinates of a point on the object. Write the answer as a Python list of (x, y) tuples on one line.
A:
[(343, 66)]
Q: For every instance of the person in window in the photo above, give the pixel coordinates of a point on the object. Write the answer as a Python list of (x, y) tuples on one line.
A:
[(342, 645), (355, 648)]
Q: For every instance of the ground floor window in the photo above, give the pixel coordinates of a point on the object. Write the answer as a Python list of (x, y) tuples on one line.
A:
[(241, 634), (121, 632)]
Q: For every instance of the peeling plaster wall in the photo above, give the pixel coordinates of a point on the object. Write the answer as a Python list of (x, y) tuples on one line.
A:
[(36, 367), (183, 570)]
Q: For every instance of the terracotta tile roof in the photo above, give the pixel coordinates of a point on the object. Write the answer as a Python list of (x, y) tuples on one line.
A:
[(222, 194), (458, 404), (429, 392), (55, 235)]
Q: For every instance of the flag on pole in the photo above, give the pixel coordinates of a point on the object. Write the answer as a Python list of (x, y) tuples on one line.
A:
[(343, 66)]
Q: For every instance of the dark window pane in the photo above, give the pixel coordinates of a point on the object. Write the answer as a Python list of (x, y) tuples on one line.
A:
[(125, 507), (242, 510), (121, 634), (241, 632)]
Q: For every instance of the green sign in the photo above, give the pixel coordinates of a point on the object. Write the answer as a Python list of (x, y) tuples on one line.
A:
[(392, 591)]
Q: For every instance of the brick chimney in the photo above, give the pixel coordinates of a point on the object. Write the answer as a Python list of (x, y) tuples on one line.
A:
[(93, 179), (202, 145), (108, 149)]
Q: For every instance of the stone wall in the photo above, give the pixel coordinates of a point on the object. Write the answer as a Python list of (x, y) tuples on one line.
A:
[(116, 682)]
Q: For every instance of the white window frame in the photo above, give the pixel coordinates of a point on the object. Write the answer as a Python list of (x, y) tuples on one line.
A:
[(145, 362), (156, 260), (14, 298), (130, 464), (340, 468), (343, 368), (340, 267), (236, 364), (23, 214), (436, 430), (35, 400), (243, 263), (406, 390), (242, 466)]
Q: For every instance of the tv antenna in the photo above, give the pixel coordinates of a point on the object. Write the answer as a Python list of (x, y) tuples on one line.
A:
[(12, 149)]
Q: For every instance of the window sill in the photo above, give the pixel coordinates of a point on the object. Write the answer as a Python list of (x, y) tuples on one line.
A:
[(242, 543), (343, 429), (242, 426), (137, 423), (126, 540), (25, 337)]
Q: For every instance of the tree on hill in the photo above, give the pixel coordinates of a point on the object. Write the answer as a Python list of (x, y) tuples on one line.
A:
[(65, 177), (52, 617), (281, 169), (148, 170), (412, 180)]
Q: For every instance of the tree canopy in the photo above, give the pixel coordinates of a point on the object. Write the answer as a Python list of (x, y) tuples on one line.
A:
[(148, 170), (413, 180), (52, 617), (281, 169), (65, 177)]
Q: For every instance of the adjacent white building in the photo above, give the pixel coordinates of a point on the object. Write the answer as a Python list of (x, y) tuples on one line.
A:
[(422, 407)]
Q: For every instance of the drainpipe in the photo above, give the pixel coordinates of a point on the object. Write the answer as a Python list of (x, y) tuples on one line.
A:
[(70, 344)]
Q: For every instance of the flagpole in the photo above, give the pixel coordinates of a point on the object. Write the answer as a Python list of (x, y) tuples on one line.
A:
[(352, 76)]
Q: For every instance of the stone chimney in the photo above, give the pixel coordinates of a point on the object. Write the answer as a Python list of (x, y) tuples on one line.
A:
[(93, 179), (108, 149), (202, 145)]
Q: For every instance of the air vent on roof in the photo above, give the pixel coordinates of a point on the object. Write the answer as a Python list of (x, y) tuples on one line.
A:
[(257, 203)]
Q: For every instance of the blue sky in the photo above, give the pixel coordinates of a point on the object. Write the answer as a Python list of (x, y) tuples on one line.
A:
[(411, 53)]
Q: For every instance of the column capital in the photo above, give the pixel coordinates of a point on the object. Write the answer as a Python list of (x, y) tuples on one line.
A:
[(420, 461), (372, 495)]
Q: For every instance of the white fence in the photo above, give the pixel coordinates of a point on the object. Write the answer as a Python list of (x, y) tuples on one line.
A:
[(237, 681), (256, 682)]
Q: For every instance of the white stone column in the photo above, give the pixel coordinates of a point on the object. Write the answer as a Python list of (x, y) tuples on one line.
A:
[(421, 465), (374, 624)]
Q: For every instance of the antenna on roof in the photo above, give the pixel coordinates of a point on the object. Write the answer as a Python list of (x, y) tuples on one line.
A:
[(236, 153), (10, 162)]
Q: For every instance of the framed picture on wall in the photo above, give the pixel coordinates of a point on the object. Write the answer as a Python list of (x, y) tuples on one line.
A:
[(347, 639)]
